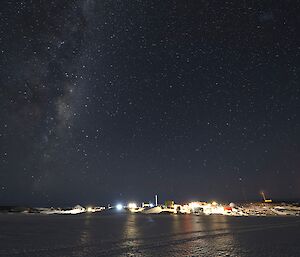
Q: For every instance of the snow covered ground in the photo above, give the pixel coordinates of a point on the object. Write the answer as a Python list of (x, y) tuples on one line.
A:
[(75, 210), (268, 209)]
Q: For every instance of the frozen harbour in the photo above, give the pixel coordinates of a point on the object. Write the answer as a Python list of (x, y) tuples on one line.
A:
[(147, 235)]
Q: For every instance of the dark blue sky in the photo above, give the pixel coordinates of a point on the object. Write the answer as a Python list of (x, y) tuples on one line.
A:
[(104, 101)]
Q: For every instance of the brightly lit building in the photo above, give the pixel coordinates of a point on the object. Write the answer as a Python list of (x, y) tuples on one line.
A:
[(147, 205), (132, 206), (197, 207)]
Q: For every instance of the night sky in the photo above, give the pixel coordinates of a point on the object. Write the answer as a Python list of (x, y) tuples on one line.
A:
[(107, 101)]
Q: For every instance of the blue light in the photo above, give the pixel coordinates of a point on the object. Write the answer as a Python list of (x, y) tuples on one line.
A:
[(119, 207)]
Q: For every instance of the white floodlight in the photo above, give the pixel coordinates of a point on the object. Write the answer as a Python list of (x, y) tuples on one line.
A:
[(119, 207)]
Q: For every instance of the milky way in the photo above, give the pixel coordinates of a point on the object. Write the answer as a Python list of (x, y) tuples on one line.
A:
[(104, 101)]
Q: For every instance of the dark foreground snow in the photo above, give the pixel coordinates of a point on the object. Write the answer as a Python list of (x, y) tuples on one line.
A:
[(148, 235)]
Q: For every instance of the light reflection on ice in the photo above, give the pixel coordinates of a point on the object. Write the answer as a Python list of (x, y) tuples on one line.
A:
[(147, 235)]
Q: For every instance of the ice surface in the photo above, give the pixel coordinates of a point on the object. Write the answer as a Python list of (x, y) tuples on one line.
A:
[(147, 235)]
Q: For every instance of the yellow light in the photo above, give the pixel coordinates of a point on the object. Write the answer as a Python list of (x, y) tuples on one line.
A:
[(89, 209), (214, 203), (132, 205)]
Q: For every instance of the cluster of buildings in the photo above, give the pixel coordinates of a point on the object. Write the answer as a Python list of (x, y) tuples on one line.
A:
[(265, 208), (149, 208), (172, 207)]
